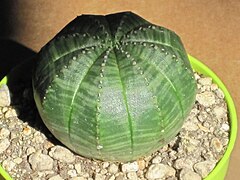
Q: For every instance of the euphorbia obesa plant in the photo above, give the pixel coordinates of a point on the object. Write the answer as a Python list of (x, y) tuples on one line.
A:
[(114, 87)]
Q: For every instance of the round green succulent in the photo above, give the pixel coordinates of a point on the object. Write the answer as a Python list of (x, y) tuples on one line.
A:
[(114, 87)]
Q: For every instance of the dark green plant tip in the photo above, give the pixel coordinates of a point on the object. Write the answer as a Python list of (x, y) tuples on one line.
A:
[(114, 87)]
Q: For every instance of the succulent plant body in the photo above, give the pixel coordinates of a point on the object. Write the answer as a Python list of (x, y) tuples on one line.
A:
[(114, 87)]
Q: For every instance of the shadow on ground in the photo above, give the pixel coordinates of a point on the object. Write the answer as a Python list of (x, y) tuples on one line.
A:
[(17, 63)]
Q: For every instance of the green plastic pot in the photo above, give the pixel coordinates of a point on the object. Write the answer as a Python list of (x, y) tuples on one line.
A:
[(219, 172)]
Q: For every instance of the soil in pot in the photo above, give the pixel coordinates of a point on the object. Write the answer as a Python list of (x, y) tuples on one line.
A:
[(29, 151)]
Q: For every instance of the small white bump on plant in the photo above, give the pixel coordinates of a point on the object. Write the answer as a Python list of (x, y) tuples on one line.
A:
[(99, 147)]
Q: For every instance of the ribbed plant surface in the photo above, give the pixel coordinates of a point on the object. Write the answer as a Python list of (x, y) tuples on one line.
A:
[(114, 87)]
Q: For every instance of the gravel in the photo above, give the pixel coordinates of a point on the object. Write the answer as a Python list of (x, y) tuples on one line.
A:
[(62, 154), (157, 171), (29, 151), (4, 96), (187, 174), (40, 162)]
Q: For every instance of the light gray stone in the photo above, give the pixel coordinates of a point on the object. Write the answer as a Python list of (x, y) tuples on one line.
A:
[(30, 150), (157, 159), (206, 81), (103, 171), (57, 177), (220, 112), (190, 125), (8, 164), (130, 167), (40, 162), (78, 168), (113, 169), (219, 93), (187, 174), (78, 178), (17, 160), (4, 144), (119, 176), (158, 171), (62, 154), (132, 176), (183, 163), (225, 127), (4, 133), (105, 164), (99, 177), (72, 173), (204, 168), (11, 113), (5, 99), (112, 177), (206, 98)]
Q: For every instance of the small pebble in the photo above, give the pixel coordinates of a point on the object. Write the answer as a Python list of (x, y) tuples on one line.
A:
[(187, 174), (157, 159), (225, 127), (105, 164), (158, 171), (4, 133), (78, 168), (204, 168), (206, 81), (4, 144), (27, 131), (40, 162), (4, 96), (103, 171), (8, 165), (17, 160), (141, 164), (30, 150), (130, 167), (220, 112), (119, 176), (4, 109), (99, 177), (113, 169), (112, 177), (213, 87), (206, 98), (132, 176), (190, 126), (79, 178), (72, 173), (57, 177), (219, 93), (62, 154), (11, 113), (183, 163), (217, 144)]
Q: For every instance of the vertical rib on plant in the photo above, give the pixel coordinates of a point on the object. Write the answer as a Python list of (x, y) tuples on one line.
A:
[(114, 87)]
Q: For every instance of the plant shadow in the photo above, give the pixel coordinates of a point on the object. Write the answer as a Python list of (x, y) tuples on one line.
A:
[(17, 63)]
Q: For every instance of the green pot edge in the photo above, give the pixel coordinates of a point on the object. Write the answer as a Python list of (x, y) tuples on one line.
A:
[(220, 170)]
